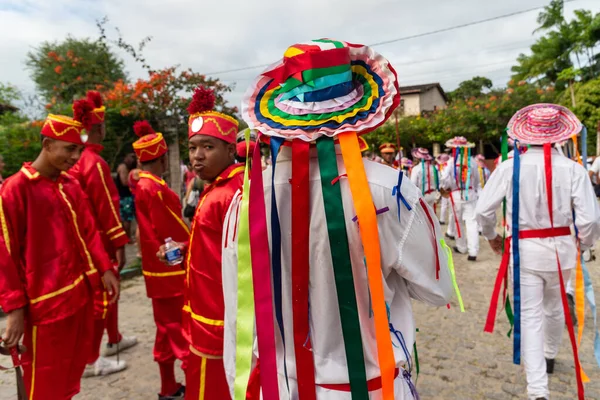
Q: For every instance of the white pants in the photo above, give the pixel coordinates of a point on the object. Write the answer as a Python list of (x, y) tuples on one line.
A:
[(542, 325), (469, 229), (444, 215)]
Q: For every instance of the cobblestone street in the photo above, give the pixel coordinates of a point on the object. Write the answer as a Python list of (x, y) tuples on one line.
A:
[(457, 359)]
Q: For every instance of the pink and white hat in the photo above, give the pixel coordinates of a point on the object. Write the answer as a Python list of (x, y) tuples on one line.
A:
[(421, 153), (406, 162), (442, 158), (459, 141), (480, 160), (543, 123)]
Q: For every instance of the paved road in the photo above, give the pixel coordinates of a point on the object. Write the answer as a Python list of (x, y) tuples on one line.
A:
[(458, 360)]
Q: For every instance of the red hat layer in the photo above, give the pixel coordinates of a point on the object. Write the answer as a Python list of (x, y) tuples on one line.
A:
[(63, 128), (151, 145), (205, 121), (387, 148), (99, 109)]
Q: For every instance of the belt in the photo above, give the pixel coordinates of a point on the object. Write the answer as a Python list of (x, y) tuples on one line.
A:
[(372, 384), (544, 233)]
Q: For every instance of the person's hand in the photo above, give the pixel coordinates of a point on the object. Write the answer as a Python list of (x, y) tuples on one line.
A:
[(162, 256), (445, 193), (121, 259), (496, 244), (15, 326), (111, 283)]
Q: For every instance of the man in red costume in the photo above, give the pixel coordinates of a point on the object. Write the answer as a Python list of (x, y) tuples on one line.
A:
[(93, 173), (212, 155), (158, 212), (56, 262)]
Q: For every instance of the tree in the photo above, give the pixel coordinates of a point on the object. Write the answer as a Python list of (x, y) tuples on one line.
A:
[(471, 88), (587, 97), (65, 70)]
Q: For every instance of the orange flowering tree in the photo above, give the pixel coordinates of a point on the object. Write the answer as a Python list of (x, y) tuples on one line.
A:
[(67, 69)]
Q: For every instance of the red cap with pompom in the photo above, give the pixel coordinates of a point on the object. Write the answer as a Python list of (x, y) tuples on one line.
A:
[(63, 128), (205, 121), (151, 144), (99, 109)]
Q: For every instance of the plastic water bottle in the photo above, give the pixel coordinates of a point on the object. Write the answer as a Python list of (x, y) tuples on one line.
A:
[(172, 252)]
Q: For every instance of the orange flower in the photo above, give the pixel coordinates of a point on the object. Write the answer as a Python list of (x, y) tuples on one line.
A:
[(510, 90), (522, 83), (73, 64), (48, 106), (52, 54), (487, 106), (37, 123), (58, 69), (470, 103), (477, 107), (70, 54), (493, 98), (79, 78)]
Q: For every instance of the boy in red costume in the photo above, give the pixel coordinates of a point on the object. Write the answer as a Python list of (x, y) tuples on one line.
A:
[(158, 212), (56, 262), (93, 173), (212, 155)]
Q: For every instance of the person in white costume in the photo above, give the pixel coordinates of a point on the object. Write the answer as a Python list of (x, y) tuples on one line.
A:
[(543, 238), (445, 215), (424, 175), (413, 261), (461, 180)]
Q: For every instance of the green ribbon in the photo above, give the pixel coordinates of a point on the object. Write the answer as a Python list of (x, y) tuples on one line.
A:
[(244, 333), (507, 307), (311, 75), (453, 274), (416, 357), (342, 268)]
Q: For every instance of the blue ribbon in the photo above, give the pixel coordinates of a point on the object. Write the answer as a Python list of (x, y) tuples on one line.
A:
[(276, 143), (398, 193), (468, 174), (589, 295), (516, 257), (423, 176)]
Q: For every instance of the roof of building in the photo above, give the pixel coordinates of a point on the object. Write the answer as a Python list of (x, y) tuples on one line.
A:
[(414, 89)]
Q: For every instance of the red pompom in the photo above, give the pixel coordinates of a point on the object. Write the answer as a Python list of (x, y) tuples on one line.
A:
[(202, 100), (142, 128), (95, 98), (82, 112)]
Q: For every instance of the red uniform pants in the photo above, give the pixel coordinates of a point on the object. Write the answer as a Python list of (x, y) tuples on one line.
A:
[(56, 355), (170, 343), (205, 379), (106, 317)]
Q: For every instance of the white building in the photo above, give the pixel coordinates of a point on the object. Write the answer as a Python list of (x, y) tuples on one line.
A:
[(419, 99)]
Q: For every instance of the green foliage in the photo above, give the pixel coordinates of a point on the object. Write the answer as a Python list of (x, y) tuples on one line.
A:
[(19, 141), (65, 70), (587, 98), (8, 94), (471, 88)]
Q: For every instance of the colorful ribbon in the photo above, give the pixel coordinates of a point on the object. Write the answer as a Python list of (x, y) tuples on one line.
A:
[(516, 257), (342, 268), (365, 209), (244, 334), (305, 367), (261, 271), (397, 192), (448, 251)]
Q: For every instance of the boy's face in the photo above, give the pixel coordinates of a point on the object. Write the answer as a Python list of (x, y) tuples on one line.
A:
[(62, 155), (210, 156), (388, 157)]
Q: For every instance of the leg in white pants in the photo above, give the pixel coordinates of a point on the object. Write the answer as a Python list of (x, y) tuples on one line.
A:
[(444, 209), (472, 227), (542, 322)]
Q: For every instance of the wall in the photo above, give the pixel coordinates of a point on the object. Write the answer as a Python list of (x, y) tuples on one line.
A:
[(431, 100), (411, 104)]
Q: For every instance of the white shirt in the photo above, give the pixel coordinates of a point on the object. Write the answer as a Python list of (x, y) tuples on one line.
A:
[(595, 168), (416, 177), (407, 262), (572, 190), (448, 180)]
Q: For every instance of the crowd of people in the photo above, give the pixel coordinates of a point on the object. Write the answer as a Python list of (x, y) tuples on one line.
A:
[(296, 276)]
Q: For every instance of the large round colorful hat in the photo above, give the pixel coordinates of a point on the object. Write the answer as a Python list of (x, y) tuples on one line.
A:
[(64, 128), (543, 123), (322, 87), (421, 153), (150, 145), (459, 141)]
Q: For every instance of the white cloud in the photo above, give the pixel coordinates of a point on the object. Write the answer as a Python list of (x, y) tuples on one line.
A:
[(219, 35)]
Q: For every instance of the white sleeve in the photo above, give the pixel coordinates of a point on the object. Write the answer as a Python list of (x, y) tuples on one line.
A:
[(415, 176), (596, 166), (587, 212), (417, 261), (229, 271), (490, 199), (446, 180)]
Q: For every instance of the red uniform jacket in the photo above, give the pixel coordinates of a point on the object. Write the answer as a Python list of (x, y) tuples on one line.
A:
[(55, 250), (204, 307), (93, 174), (158, 212)]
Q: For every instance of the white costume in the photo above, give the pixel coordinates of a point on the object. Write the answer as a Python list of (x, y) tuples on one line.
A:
[(541, 308), (464, 205), (408, 268), (429, 190)]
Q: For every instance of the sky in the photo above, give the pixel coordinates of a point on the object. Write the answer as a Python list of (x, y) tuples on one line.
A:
[(214, 36)]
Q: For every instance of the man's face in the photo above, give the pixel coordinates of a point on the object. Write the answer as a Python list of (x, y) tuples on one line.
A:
[(388, 157), (62, 155), (210, 156)]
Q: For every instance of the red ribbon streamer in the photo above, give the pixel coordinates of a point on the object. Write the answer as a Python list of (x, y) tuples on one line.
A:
[(305, 368), (455, 216), (437, 255)]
